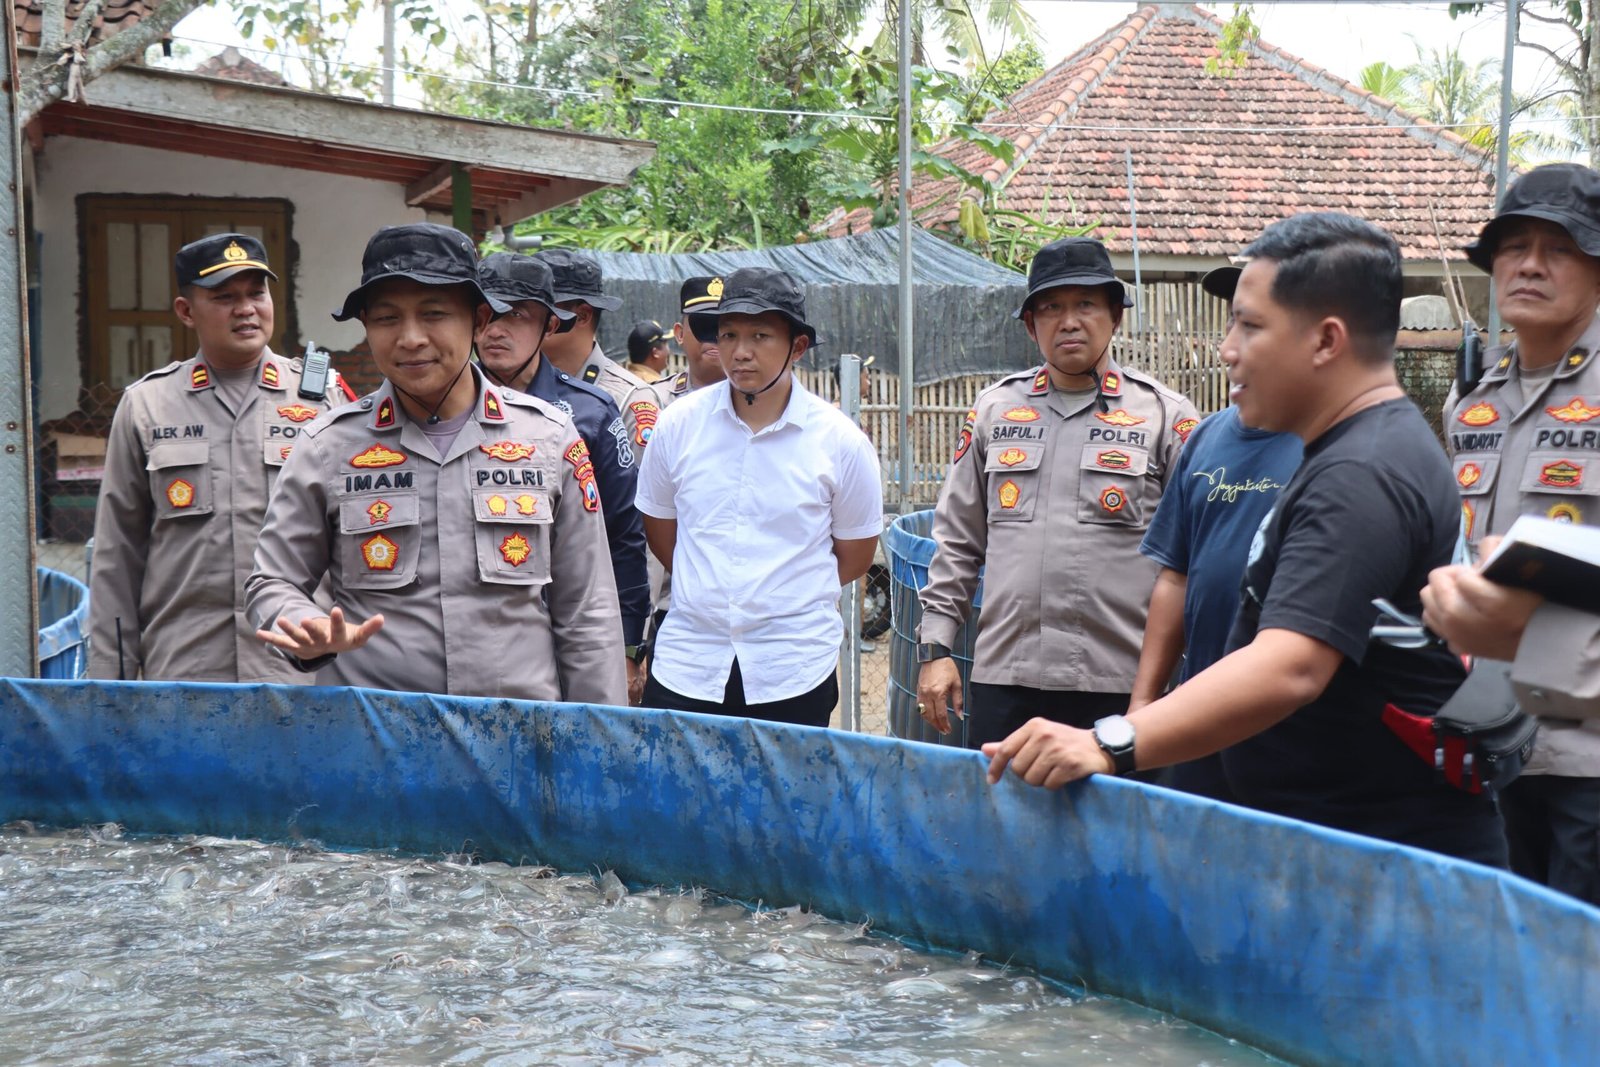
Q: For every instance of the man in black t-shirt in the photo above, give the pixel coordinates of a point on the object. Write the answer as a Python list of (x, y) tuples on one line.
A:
[(1300, 695)]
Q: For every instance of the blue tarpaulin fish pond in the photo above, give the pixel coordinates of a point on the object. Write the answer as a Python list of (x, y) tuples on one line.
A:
[(1318, 946)]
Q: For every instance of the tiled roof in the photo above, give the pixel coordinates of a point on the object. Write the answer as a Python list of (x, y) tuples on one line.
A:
[(114, 15), (230, 63), (1215, 158)]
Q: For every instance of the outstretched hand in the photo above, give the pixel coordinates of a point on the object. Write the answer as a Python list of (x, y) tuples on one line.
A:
[(321, 635)]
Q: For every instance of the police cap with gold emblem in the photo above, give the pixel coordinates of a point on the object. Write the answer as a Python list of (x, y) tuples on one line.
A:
[(1567, 194), (424, 252), (516, 278), (700, 294), (212, 260), (1073, 261)]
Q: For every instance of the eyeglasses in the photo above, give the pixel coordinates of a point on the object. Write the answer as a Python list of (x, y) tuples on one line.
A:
[(1398, 630)]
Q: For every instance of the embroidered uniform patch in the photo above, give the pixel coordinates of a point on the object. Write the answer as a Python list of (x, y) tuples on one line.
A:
[(385, 417), (496, 504), (298, 413), (380, 553), (199, 378), (1467, 517), (283, 453), (1566, 511), (1009, 494), (1479, 414), (583, 474), (507, 451), (269, 375), (1041, 383), (964, 441), (1113, 460), (515, 549), (491, 407), (526, 504), (1468, 475), (1562, 474), (1575, 410), (1113, 499), (1111, 385), (378, 512), (1011, 457), (1184, 427), (644, 420), (1119, 417), (180, 494), (377, 456), (1021, 415)]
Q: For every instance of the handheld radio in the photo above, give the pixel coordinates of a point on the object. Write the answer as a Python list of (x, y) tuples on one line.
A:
[(314, 375)]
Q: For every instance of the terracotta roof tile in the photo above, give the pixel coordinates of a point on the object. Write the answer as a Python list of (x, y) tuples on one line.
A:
[(114, 15), (230, 64), (1204, 185)]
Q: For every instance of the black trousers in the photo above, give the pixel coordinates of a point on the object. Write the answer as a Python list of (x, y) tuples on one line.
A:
[(1553, 828), (813, 708), (996, 710)]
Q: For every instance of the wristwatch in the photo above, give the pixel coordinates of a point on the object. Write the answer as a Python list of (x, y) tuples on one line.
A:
[(930, 651), (635, 653), (1114, 735)]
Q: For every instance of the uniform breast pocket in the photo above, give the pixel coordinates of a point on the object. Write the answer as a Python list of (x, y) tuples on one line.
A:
[(512, 535), (1115, 487), (180, 479), (1570, 474), (1012, 472), (380, 540)]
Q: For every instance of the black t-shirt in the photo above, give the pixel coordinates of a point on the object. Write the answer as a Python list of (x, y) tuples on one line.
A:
[(1370, 512)]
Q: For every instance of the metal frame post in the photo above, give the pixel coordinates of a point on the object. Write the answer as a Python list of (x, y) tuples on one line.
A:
[(850, 657), (1502, 151), (19, 589), (907, 291)]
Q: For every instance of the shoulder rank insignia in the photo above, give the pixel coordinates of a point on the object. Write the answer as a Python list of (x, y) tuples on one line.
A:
[(1566, 511), (964, 440), (1184, 427), (1113, 460), (1119, 417), (1468, 514), (515, 549), (1011, 457), (591, 372), (199, 378), (378, 456), (1041, 382), (1468, 475), (491, 407), (180, 494), (378, 512), (380, 553), (1111, 384), (1009, 494), (1575, 359), (644, 420), (1562, 474), (298, 413), (1574, 411), (507, 451), (269, 374), (583, 474), (1113, 499), (385, 417), (1021, 414), (1505, 361), (1479, 414)]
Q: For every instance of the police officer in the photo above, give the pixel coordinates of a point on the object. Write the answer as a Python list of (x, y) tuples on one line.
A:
[(1056, 474), (508, 351), (648, 351), (1522, 443), (194, 450), (575, 351), (459, 524)]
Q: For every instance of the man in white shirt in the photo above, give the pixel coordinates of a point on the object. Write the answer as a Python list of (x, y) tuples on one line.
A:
[(778, 501)]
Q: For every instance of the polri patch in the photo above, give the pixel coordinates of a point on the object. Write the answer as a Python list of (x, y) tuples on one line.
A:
[(1009, 494), (1021, 414), (515, 549), (1566, 511), (298, 412), (1468, 515), (644, 420), (380, 553), (1011, 457), (1469, 475), (1113, 499), (1119, 417), (378, 512), (1480, 414), (527, 504), (1184, 427), (180, 494), (496, 504), (1575, 410), (964, 441), (1562, 474), (1113, 460), (507, 451), (377, 456), (583, 474)]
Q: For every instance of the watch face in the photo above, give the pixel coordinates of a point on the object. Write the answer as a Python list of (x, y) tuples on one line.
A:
[(1114, 732)]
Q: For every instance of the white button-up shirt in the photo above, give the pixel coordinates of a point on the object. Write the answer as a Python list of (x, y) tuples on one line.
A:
[(753, 572)]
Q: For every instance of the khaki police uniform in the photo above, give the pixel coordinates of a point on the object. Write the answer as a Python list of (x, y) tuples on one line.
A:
[(183, 497), (635, 398), (1539, 454), (1053, 495), (489, 567), (663, 392)]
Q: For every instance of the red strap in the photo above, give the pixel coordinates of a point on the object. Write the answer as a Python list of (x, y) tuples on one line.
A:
[(349, 393)]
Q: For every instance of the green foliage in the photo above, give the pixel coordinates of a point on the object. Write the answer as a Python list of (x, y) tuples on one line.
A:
[(1386, 81), (1015, 67), (315, 35), (1233, 43)]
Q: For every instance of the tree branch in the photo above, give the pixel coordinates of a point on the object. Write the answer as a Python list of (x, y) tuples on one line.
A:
[(46, 80), (1566, 66), (53, 25), (83, 26)]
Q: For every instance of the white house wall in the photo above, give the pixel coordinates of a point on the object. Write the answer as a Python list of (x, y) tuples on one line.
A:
[(332, 218)]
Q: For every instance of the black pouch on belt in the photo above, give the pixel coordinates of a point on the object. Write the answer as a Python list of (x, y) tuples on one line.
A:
[(1480, 740)]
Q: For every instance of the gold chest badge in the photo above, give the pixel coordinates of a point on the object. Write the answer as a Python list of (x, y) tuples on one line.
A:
[(380, 553), (180, 494), (1119, 417), (1009, 494)]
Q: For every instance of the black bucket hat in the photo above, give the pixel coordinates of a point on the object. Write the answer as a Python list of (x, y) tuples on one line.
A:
[(577, 277), (1567, 194), (756, 290), (425, 252), (1072, 261), (212, 260), (514, 278), (1222, 282)]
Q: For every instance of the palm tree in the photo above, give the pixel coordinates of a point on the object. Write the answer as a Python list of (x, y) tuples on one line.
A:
[(957, 23), (1391, 83)]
